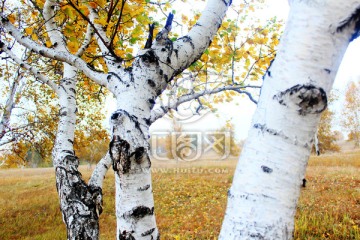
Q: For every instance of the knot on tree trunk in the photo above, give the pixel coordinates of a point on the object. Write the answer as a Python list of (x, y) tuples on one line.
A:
[(122, 159), (306, 99)]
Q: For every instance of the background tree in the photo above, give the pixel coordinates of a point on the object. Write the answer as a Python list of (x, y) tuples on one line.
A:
[(326, 136), (351, 112)]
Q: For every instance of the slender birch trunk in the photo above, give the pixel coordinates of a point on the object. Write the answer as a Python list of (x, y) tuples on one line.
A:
[(262, 199), (15, 88), (80, 204)]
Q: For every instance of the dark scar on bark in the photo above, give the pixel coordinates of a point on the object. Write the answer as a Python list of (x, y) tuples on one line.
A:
[(266, 169), (309, 99), (126, 236), (149, 232), (149, 57), (138, 154), (354, 18), (147, 121), (139, 212), (151, 83), (144, 188), (119, 154)]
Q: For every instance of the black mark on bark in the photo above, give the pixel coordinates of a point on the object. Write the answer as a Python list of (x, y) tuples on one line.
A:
[(144, 188), (354, 19), (328, 71), (139, 212), (307, 99), (266, 169), (149, 57), (132, 118), (187, 39), (151, 102), (147, 121), (270, 131), (114, 74), (229, 194), (147, 233), (138, 154), (151, 83), (126, 236)]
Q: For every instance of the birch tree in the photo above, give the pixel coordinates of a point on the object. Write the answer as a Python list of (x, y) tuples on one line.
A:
[(266, 186), (351, 112), (135, 85)]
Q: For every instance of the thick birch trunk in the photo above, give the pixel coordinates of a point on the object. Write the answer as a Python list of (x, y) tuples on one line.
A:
[(80, 204), (262, 200), (131, 163)]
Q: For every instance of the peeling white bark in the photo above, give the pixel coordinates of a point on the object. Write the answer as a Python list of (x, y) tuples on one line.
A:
[(266, 186)]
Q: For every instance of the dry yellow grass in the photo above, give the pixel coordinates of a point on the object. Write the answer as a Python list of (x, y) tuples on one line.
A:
[(190, 201)]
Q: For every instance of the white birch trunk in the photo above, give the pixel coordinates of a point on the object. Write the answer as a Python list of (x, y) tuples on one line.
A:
[(262, 199), (80, 204), (141, 85)]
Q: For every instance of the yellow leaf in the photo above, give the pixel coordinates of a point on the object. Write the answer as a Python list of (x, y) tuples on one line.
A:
[(29, 31), (11, 18), (34, 37)]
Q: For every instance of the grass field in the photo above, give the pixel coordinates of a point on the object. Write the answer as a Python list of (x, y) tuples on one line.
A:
[(190, 201)]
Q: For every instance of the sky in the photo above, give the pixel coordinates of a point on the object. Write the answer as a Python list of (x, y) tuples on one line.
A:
[(240, 111)]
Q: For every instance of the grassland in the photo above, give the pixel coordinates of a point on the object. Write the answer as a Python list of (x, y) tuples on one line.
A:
[(190, 201)]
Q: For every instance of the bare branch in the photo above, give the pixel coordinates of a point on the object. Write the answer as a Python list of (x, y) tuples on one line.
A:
[(162, 110), (9, 105), (33, 70)]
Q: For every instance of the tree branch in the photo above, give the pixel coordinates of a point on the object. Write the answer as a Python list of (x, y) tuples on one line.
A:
[(98, 175), (87, 40), (33, 70), (52, 29), (9, 105), (62, 56), (103, 41), (162, 110)]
